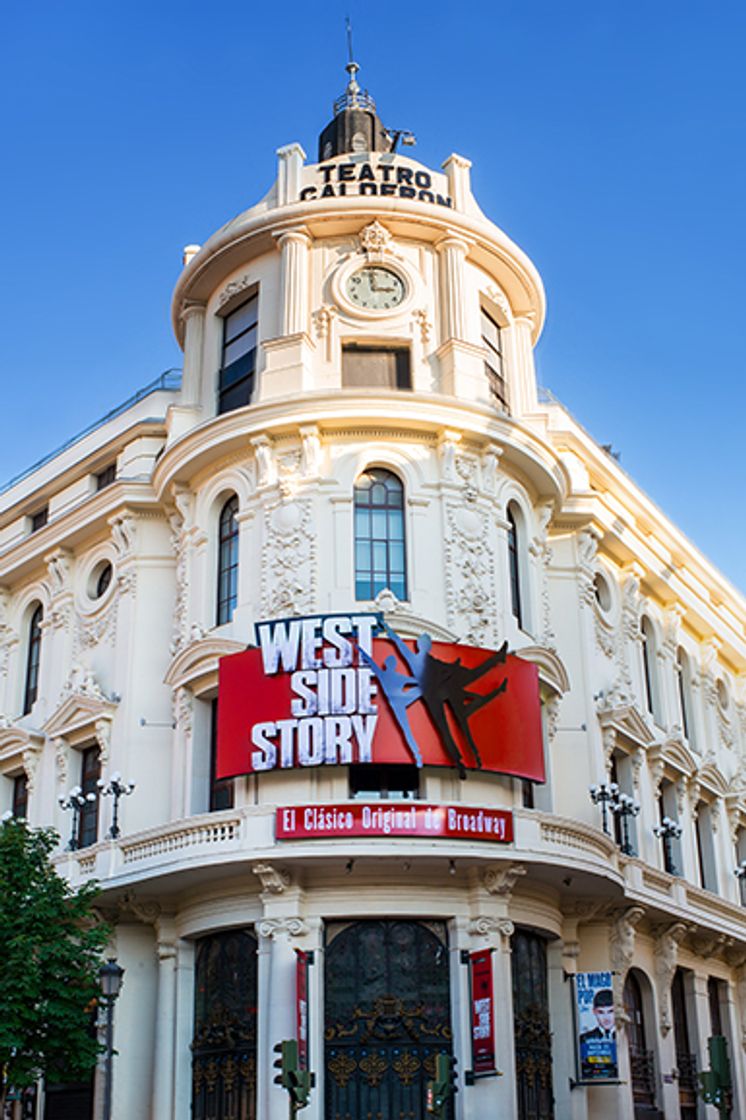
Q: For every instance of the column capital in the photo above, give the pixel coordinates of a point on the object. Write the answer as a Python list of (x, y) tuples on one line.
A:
[(452, 240), (297, 235)]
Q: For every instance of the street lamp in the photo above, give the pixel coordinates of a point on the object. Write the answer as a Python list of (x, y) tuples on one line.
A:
[(740, 874), (625, 807), (116, 789), (110, 977), (75, 800), (668, 830), (603, 795)]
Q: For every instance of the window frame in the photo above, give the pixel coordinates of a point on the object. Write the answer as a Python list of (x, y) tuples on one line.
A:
[(90, 772), (33, 659), (494, 363), (515, 581), (228, 561), (365, 579), (242, 369), (403, 363)]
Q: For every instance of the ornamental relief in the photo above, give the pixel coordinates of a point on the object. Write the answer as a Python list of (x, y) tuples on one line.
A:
[(289, 577), (470, 571)]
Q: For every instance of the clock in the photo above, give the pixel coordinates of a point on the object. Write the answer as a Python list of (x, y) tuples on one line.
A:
[(375, 288)]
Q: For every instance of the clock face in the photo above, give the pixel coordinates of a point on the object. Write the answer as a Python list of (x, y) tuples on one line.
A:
[(375, 288)]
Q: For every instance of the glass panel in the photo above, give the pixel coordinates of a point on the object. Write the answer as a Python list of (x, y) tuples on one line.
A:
[(379, 524), (241, 319), (235, 350), (236, 396)]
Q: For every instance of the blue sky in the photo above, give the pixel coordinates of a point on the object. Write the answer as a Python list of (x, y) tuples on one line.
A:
[(607, 140)]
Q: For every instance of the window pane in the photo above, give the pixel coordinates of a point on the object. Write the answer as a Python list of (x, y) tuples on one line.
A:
[(242, 318), (235, 350), (379, 524)]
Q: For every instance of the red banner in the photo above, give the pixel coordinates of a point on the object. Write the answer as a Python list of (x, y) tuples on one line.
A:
[(483, 1012), (301, 1006), (350, 818), (326, 692)]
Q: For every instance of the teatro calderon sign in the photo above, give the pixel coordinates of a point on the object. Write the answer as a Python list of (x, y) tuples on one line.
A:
[(382, 179), (339, 689)]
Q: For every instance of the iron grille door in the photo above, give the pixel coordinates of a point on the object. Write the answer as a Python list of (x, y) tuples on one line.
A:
[(387, 1016), (224, 1044), (533, 1038)]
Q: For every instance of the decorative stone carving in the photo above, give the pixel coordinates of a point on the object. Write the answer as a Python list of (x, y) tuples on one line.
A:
[(58, 569), (587, 549), (179, 543), (60, 759), (183, 711), (276, 927), (145, 910), (273, 880), (123, 532), (498, 297), (470, 572), (323, 319), (422, 321), (90, 632), (81, 681), (502, 880), (386, 601), (621, 953), (288, 560), (235, 288), (265, 462), (375, 239), (447, 451), (310, 451), (31, 757), (484, 926), (490, 464), (631, 608), (102, 728), (8, 636), (666, 957)]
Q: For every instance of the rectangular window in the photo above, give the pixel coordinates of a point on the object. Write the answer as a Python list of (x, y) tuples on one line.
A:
[(238, 365), (382, 782), (375, 367), (90, 772), (493, 365), (39, 519), (221, 792), (706, 848), (20, 796), (105, 477)]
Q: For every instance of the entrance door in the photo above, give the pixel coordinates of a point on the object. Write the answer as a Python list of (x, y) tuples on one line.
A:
[(533, 1038), (387, 1014), (686, 1061)]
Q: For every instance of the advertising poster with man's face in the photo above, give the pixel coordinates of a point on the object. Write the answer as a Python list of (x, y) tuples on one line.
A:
[(596, 1027)]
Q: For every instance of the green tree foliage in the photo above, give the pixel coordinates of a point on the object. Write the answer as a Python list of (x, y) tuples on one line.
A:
[(50, 953)]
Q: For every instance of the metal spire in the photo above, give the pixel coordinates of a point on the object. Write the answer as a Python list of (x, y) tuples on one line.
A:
[(353, 89)]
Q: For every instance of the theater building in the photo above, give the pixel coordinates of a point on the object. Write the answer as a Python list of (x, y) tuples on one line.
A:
[(275, 593)]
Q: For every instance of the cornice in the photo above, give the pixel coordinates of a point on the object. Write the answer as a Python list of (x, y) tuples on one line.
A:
[(219, 437)]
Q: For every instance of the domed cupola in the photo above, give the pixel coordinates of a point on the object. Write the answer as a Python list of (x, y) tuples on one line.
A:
[(356, 127)]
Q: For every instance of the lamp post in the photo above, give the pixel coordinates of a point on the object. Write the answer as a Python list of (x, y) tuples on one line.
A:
[(603, 795), (740, 874), (625, 807), (116, 789), (75, 800), (667, 831), (110, 977)]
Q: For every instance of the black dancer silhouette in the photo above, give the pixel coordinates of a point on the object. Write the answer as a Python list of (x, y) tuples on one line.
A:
[(443, 686), (400, 691)]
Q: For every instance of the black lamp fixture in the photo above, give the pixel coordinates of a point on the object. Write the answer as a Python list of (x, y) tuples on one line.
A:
[(604, 795), (110, 978), (75, 801), (625, 807), (740, 874), (116, 789), (667, 831)]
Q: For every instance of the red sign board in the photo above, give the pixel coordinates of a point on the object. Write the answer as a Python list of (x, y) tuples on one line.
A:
[(325, 691), (483, 1012), (350, 818), (301, 1006)]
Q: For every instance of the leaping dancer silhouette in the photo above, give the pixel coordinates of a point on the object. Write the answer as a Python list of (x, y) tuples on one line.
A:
[(400, 691)]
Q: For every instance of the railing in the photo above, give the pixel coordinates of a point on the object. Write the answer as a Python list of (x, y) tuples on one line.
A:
[(642, 1072), (568, 834), (170, 380), (177, 839)]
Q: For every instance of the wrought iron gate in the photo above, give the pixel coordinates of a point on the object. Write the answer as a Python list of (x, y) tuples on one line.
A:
[(533, 1038), (387, 1016), (224, 1044)]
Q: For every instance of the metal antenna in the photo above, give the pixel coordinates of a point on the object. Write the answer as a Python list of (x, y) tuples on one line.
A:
[(353, 89), (350, 55)]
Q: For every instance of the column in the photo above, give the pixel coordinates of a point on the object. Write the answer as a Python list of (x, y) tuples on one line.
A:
[(523, 395), (294, 244), (165, 1020), (193, 317), (289, 173), (459, 180), (461, 360), (452, 252), (276, 1009)]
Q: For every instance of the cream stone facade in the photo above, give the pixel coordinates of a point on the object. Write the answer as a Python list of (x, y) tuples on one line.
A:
[(640, 646)]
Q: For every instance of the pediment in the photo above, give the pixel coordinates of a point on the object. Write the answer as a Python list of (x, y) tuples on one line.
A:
[(552, 671), (78, 712), (676, 754), (199, 660), (627, 721), (15, 740), (712, 778)]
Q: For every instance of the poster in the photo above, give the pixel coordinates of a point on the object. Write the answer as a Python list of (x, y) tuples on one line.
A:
[(301, 1006), (596, 1027), (483, 1012)]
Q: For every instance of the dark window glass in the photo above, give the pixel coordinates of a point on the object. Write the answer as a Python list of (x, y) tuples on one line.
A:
[(227, 561), (39, 519), (527, 794), (514, 568), (380, 554), (20, 796), (641, 1061), (373, 782), (531, 1026), (647, 656), (103, 580), (493, 366), (221, 792), (90, 772), (238, 365), (681, 682), (105, 477), (33, 656), (375, 367), (713, 999)]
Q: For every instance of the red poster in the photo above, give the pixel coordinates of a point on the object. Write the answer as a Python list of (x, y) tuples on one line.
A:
[(350, 818), (324, 691), (483, 1012), (301, 1006)]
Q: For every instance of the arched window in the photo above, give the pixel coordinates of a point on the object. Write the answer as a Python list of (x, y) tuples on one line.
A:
[(227, 561), (648, 664), (641, 1060), (514, 564), (33, 656), (682, 683), (380, 558)]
